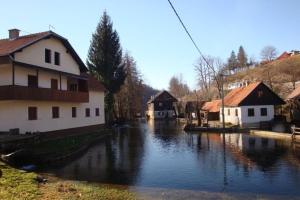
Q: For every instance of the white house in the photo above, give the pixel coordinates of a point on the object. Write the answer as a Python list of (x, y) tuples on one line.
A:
[(45, 87), (250, 105)]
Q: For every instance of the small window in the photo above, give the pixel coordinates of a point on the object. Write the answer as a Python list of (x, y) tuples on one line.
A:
[(87, 112), (97, 112), (260, 93), (160, 104), (74, 112), (228, 111), (54, 84), (47, 55), (55, 112), (263, 112), (57, 58), (250, 112), (32, 81), (236, 112), (32, 113)]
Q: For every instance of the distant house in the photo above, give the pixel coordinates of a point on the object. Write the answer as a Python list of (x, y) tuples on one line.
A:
[(161, 106), (293, 100), (250, 105), (237, 84), (285, 54), (210, 110)]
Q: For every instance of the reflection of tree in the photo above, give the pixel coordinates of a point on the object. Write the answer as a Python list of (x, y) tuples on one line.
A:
[(115, 159)]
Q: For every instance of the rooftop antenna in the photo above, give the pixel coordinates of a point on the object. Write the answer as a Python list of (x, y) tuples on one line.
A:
[(51, 27)]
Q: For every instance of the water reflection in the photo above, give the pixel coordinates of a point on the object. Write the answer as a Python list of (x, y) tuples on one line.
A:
[(161, 154), (116, 159)]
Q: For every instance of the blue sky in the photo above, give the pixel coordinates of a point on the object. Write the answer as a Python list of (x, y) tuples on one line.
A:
[(149, 30)]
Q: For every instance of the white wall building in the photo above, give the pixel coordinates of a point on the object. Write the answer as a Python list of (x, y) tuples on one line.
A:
[(44, 85), (250, 105)]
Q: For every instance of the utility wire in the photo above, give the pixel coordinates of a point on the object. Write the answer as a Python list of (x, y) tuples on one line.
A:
[(190, 36)]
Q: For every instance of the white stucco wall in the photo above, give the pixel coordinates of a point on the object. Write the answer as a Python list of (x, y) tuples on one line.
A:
[(243, 118), (35, 54), (232, 118), (257, 116), (5, 74), (14, 114), (21, 77)]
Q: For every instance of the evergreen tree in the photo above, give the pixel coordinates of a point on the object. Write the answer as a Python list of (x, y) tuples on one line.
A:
[(242, 58), (105, 61), (232, 62)]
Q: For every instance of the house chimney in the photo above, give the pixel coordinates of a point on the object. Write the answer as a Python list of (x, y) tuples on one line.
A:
[(13, 33)]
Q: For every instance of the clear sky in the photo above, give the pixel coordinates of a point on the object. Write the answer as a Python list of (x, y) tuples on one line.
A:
[(149, 30)]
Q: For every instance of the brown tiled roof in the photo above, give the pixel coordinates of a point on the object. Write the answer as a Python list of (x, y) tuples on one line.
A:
[(212, 106), (295, 93), (94, 84), (8, 46), (236, 96)]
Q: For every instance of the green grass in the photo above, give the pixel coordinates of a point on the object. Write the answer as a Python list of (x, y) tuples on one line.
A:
[(17, 184)]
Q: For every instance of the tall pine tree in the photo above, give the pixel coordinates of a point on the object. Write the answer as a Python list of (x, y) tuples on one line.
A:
[(105, 61), (232, 62), (242, 58)]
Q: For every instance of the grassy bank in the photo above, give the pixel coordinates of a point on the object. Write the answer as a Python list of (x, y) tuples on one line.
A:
[(17, 184)]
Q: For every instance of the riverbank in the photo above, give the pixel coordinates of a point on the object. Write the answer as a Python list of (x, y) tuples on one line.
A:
[(18, 184)]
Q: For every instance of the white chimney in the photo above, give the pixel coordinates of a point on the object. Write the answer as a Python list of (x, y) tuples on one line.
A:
[(13, 33)]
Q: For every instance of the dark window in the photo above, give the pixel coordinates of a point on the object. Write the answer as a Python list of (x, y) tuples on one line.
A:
[(260, 93), (97, 112), (228, 112), (250, 112), (87, 112), (47, 55), (57, 58), (73, 87), (32, 113), (54, 84), (74, 112), (32, 81), (263, 112), (236, 112), (55, 112)]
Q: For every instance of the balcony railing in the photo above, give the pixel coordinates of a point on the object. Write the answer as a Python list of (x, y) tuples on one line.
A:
[(13, 92)]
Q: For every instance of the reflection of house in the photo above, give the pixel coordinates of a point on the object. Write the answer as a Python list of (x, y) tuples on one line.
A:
[(210, 111), (247, 142), (162, 105), (44, 86), (293, 100), (250, 105)]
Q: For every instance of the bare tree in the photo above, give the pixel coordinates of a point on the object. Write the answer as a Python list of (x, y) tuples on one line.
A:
[(209, 71), (177, 87), (268, 53)]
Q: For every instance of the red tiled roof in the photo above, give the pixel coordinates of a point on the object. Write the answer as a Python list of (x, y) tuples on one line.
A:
[(95, 84), (295, 93), (212, 106), (8, 46), (284, 55), (236, 96)]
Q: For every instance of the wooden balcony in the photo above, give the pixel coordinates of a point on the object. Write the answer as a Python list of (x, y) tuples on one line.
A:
[(41, 94)]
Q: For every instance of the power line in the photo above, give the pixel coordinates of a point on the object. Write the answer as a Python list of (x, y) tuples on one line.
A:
[(190, 36), (220, 85)]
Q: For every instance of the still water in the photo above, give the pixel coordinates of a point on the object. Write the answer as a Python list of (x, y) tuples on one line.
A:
[(162, 155)]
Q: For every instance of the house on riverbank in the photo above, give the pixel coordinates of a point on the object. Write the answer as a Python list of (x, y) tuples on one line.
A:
[(162, 106), (250, 105), (45, 86), (210, 111)]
